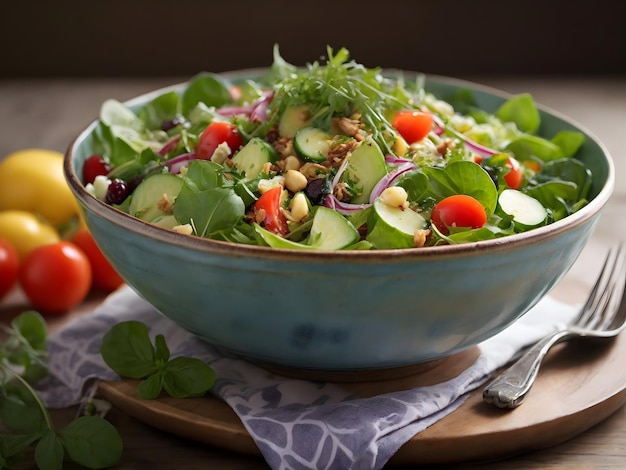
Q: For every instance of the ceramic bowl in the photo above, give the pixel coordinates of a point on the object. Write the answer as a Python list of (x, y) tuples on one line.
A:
[(345, 310)]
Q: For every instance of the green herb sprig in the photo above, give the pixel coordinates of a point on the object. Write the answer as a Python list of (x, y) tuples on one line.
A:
[(340, 87), (90, 441), (127, 350)]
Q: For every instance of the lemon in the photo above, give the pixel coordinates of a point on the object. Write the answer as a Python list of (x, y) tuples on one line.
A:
[(32, 180), (25, 232)]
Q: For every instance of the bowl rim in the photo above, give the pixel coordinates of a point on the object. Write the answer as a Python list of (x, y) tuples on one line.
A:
[(508, 242)]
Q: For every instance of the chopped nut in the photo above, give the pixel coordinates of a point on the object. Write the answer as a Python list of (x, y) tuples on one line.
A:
[(339, 151), (284, 147), (313, 170), (420, 236), (395, 196), (444, 146), (349, 126), (342, 192), (165, 205), (259, 216), (295, 181)]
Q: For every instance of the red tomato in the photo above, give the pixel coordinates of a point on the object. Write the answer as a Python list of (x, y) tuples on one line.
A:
[(514, 176), (94, 166), (56, 277), (9, 262), (459, 210), (413, 126), (104, 275), (215, 134), (268, 207)]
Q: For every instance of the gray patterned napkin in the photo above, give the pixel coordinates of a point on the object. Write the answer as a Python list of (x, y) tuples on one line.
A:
[(295, 423)]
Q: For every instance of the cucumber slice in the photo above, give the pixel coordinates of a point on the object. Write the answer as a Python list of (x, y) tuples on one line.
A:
[(392, 227), (329, 231), (366, 167), (294, 119), (148, 195), (527, 212), (251, 158), (312, 144)]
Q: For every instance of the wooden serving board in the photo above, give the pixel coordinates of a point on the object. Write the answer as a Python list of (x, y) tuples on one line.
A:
[(580, 384)]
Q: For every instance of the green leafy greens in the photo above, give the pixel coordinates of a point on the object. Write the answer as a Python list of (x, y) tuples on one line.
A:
[(90, 441), (127, 349)]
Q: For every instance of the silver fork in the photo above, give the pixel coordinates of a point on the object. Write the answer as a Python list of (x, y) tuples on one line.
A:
[(602, 316)]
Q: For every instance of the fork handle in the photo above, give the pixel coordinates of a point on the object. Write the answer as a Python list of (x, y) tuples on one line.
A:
[(510, 388)]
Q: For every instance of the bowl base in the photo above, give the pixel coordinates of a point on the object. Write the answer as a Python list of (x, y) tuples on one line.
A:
[(415, 375)]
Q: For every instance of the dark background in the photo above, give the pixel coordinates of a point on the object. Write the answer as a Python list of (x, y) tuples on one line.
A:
[(105, 38)]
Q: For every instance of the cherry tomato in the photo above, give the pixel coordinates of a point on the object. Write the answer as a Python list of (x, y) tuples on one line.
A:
[(413, 126), (215, 134), (55, 278), (514, 176), (9, 262), (94, 166), (104, 275), (459, 210), (268, 207)]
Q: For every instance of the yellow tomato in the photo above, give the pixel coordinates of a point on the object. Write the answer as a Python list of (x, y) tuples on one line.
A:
[(25, 232), (32, 180)]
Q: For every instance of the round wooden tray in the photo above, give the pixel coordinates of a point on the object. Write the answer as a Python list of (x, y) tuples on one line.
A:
[(580, 384)]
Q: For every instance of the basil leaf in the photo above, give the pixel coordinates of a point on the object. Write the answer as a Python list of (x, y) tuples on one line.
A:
[(19, 415), (49, 452), (32, 327), (127, 350), (187, 377), (92, 441), (162, 352), (150, 388), (13, 444)]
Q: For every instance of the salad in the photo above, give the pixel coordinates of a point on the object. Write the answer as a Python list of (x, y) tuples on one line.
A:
[(333, 156)]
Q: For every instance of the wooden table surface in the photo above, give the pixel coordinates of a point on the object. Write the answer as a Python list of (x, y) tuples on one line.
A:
[(50, 113)]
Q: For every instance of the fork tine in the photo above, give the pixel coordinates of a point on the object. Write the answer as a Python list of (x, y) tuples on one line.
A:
[(607, 295), (615, 313), (595, 295)]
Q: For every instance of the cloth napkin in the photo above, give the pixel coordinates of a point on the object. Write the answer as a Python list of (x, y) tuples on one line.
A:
[(296, 424)]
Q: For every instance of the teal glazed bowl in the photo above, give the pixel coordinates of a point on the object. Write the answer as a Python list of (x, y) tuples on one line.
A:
[(345, 310)]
